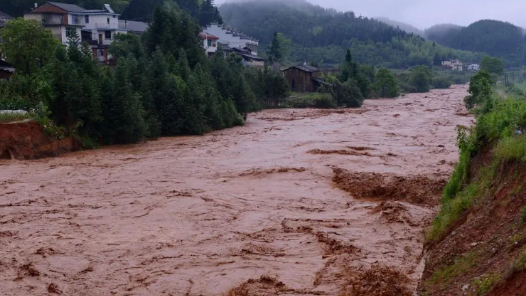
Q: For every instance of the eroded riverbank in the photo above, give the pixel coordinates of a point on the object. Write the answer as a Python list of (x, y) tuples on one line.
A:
[(203, 215)]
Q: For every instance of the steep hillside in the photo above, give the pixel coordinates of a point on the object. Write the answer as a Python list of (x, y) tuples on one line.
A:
[(477, 245), (323, 36), (495, 38), (402, 26)]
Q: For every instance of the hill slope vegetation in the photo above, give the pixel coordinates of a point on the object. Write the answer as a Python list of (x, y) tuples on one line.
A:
[(321, 36)]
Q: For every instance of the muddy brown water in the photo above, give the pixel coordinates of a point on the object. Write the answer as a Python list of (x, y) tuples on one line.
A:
[(202, 215)]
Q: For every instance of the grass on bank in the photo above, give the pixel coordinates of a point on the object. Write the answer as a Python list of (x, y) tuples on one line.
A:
[(12, 117), (310, 100), (501, 128)]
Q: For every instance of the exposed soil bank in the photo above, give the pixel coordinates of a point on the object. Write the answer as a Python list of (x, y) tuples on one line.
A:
[(247, 210), (27, 140), (479, 255)]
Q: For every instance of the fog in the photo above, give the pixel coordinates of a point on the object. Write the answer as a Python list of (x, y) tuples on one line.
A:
[(426, 13)]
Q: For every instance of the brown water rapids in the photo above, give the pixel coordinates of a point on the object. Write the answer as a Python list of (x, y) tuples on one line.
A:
[(297, 202)]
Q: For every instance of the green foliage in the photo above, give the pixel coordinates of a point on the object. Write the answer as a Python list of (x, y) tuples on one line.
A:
[(523, 214), (203, 11), (485, 283), (27, 45), (511, 148), (459, 266), (421, 78), (311, 100), (324, 35), (10, 117), (502, 124), (480, 90), (441, 82), (347, 94), (385, 84), (492, 65)]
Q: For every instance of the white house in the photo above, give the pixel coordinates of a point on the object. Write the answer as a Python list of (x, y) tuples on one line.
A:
[(232, 38), (97, 27), (100, 28), (209, 43), (453, 64), (474, 67), (64, 20)]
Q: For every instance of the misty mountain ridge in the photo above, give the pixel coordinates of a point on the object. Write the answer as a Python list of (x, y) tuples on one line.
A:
[(401, 25), (322, 36)]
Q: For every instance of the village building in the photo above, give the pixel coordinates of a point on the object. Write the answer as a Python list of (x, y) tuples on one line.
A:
[(302, 78), (455, 65), (473, 67), (232, 39), (96, 27), (209, 43)]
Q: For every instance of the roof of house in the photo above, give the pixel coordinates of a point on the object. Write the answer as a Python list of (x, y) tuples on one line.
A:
[(68, 7), (205, 35), (135, 26), (304, 68), (4, 18)]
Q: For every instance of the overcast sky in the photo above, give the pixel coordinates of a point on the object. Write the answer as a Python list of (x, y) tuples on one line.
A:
[(426, 13)]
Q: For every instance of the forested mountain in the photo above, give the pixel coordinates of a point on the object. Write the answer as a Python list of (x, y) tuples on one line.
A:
[(495, 38), (321, 36), (441, 32), (403, 26)]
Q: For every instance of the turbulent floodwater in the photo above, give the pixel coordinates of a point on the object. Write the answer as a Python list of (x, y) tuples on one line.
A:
[(203, 215)]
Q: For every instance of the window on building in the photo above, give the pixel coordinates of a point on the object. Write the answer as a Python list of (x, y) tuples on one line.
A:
[(107, 35), (70, 32), (209, 42), (86, 19), (75, 19), (108, 20)]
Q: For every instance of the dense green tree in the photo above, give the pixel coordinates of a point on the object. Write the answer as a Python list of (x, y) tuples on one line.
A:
[(421, 78), (208, 13), (492, 65), (385, 84), (27, 45), (274, 53), (480, 90)]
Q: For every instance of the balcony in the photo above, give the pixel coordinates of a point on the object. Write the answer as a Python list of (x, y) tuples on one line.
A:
[(52, 21), (113, 26)]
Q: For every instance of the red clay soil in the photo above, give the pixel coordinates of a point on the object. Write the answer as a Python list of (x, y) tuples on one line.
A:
[(27, 140), (484, 244), (418, 190)]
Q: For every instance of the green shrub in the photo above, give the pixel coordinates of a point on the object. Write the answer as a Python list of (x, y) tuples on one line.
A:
[(511, 148), (523, 215), (14, 104), (485, 283), (441, 82), (311, 100)]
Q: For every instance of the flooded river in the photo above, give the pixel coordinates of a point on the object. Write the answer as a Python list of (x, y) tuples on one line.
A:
[(287, 205)]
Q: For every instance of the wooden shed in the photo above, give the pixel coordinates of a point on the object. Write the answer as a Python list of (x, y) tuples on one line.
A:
[(302, 78)]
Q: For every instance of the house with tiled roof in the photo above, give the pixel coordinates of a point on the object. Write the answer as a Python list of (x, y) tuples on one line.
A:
[(97, 27), (209, 43)]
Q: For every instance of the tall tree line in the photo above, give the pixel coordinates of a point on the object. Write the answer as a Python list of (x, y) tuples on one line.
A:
[(163, 83)]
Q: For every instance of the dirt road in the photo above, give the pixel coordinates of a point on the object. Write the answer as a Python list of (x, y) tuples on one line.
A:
[(253, 209)]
